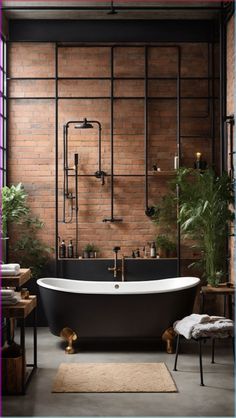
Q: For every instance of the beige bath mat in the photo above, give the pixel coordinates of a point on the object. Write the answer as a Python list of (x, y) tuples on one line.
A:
[(113, 377)]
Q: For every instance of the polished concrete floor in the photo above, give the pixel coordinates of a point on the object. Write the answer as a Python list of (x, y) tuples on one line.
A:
[(215, 399)]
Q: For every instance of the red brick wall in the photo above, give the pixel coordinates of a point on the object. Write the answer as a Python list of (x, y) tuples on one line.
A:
[(32, 141)]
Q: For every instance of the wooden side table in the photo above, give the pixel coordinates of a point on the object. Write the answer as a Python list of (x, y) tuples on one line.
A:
[(20, 311), (223, 290), (16, 281)]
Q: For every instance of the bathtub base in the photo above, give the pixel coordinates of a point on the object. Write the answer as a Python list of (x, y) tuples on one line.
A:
[(169, 336), (69, 336)]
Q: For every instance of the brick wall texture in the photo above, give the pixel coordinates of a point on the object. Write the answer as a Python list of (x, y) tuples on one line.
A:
[(32, 133)]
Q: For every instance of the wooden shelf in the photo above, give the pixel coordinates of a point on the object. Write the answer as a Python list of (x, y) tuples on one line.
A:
[(21, 309), (222, 289), (17, 281), (170, 173)]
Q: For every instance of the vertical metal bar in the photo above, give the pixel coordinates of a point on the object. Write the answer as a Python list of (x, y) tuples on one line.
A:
[(3, 110), (99, 147), (177, 352), (35, 337), (112, 133), (7, 130), (222, 89), (64, 173), (213, 104), (213, 350), (56, 157), (76, 207), (178, 138), (22, 344), (200, 361), (146, 130)]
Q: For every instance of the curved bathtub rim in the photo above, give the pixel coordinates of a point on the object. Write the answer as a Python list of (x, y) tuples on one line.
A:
[(119, 287)]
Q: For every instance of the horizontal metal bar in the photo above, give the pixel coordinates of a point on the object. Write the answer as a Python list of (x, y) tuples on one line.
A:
[(122, 175), (108, 8), (30, 78), (109, 78), (196, 136), (115, 98)]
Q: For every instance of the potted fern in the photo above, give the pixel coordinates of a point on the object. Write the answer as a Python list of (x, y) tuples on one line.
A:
[(165, 246), (28, 250), (205, 201)]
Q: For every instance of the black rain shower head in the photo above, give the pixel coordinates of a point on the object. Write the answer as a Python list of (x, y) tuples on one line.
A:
[(84, 125)]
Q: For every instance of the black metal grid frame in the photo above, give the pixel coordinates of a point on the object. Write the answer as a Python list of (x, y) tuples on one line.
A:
[(226, 12), (210, 98)]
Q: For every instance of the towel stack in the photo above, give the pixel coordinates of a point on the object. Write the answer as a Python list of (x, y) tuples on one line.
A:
[(202, 326), (9, 297), (10, 269)]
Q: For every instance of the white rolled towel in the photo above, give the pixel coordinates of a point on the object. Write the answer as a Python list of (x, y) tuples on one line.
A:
[(10, 269), (14, 266), (7, 293), (12, 301)]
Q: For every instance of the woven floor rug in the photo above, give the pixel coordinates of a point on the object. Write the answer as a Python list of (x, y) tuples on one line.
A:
[(113, 377)]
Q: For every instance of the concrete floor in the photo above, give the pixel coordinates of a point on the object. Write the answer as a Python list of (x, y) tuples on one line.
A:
[(215, 399)]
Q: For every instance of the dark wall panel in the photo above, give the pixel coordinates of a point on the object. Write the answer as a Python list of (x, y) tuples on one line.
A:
[(112, 31)]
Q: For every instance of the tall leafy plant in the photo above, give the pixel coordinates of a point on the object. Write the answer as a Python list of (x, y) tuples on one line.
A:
[(14, 206), (28, 250), (204, 215)]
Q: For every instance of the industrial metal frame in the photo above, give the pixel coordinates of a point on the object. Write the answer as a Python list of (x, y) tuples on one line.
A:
[(224, 15)]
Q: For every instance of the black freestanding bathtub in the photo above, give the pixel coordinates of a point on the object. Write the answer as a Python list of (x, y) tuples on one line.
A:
[(116, 310)]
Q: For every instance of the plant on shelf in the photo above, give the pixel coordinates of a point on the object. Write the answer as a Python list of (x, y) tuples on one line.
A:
[(165, 247), (205, 201), (165, 217), (90, 251), (29, 250)]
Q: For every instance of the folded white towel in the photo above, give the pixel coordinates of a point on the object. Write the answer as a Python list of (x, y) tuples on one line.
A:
[(185, 326), (10, 266), (7, 292), (12, 301), (7, 297), (10, 272), (10, 269)]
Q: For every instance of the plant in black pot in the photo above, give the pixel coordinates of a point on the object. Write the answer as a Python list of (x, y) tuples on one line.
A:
[(90, 251), (205, 212)]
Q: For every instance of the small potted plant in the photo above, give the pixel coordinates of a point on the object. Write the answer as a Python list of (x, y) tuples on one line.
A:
[(165, 247), (89, 251)]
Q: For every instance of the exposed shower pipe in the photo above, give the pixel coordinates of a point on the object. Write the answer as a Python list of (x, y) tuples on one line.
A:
[(80, 124), (76, 162)]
